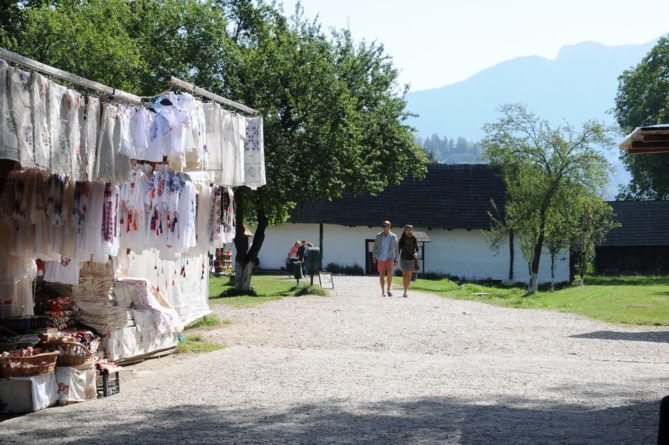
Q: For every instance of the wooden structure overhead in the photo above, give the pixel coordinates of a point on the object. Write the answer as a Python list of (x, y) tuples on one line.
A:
[(647, 140)]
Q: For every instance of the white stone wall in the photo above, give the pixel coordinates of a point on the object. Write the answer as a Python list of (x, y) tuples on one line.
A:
[(461, 253)]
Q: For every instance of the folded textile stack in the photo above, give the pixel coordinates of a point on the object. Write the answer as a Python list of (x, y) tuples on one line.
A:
[(97, 306), (61, 312)]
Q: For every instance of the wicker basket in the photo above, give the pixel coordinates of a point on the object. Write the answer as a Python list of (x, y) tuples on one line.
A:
[(74, 354), (29, 366)]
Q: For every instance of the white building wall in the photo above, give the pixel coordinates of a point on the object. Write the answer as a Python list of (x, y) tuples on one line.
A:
[(462, 253)]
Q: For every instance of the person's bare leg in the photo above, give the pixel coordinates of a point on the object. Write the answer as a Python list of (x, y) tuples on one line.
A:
[(406, 277), (390, 280), (383, 288)]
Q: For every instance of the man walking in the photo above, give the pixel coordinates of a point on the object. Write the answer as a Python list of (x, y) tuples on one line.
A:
[(385, 255)]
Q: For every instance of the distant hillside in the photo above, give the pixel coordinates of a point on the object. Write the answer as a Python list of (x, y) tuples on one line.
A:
[(580, 84)]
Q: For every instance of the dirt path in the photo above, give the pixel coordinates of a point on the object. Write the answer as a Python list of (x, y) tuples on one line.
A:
[(357, 368)]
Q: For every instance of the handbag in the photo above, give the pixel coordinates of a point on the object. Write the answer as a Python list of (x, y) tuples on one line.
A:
[(416, 264)]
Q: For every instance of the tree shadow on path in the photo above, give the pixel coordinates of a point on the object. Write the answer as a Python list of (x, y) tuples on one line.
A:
[(648, 336), (417, 421)]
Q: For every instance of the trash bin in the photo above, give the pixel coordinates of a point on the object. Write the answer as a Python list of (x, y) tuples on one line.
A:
[(312, 257), (296, 266)]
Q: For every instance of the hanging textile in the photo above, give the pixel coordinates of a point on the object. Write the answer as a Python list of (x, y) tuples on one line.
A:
[(254, 154), (9, 145)]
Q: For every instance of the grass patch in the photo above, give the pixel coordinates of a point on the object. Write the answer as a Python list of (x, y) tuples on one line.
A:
[(622, 300), (264, 288), (195, 343), (210, 321)]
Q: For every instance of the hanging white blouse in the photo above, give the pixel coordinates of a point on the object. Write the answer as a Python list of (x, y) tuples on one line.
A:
[(214, 140), (9, 145), (123, 117), (254, 154), (89, 138), (140, 124), (42, 136), (238, 141), (104, 161), (70, 121), (61, 152), (229, 149), (21, 110)]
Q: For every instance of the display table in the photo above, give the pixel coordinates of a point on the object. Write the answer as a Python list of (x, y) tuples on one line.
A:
[(141, 339), (76, 384), (28, 394)]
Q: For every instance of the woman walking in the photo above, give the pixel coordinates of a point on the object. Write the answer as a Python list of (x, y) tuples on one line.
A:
[(408, 246)]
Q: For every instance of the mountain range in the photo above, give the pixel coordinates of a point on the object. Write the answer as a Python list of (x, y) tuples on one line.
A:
[(578, 85)]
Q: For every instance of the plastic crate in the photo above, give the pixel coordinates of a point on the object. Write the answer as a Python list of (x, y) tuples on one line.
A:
[(107, 384)]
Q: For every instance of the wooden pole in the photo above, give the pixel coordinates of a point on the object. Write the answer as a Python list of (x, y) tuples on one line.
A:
[(73, 78), (204, 93)]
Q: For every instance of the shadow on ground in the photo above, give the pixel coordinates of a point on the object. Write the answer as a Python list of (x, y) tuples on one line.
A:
[(429, 420), (649, 336)]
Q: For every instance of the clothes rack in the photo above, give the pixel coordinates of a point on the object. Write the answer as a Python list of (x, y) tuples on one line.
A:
[(204, 93), (73, 78)]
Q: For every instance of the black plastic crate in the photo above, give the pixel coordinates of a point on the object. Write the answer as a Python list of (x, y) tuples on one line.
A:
[(108, 384)]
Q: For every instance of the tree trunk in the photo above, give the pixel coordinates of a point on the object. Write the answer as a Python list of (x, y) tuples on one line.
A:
[(243, 273), (538, 246), (553, 255), (533, 286), (511, 255), (246, 257), (583, 267)]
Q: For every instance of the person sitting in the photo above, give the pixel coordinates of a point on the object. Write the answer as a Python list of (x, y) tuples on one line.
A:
[(292, 254)]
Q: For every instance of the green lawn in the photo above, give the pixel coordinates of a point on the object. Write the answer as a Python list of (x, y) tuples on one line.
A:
[(624, 300), (265, 288)]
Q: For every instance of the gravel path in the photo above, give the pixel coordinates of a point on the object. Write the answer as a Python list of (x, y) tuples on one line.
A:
[(358, 368)]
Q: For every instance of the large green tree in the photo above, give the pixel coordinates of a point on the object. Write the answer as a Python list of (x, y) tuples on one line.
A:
[(540, 163), (335, 117), (334, 114), (643, 99)]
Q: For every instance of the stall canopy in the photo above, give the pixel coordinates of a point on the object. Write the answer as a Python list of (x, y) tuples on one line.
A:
[(647, 140)]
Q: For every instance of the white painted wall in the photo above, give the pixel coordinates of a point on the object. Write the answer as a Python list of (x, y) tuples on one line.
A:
[(461, 253)]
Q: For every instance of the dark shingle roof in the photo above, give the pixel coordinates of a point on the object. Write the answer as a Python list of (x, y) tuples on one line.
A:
[(644, 223), (451, 196)]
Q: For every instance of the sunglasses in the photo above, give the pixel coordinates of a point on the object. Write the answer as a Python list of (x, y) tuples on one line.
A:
[(385, 225)]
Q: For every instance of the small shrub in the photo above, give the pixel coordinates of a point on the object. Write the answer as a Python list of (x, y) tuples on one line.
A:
[(338, 269), (304, 289)]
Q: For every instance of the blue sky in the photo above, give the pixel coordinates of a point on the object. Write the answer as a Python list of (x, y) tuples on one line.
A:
[(436, 43)]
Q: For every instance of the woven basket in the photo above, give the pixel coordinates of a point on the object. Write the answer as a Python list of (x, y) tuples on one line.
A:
[(29, 366), (74, 354)]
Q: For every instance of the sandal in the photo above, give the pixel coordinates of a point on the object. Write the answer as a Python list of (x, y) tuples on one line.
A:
[(390, 294), (405, 295)]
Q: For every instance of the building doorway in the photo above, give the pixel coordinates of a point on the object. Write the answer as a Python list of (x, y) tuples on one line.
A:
[(370, 267)]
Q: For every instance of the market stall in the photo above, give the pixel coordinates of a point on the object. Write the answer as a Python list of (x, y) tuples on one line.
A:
[(110, 205)]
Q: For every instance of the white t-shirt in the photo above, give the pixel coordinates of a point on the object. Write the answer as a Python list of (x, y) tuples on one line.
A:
[(140, 123)]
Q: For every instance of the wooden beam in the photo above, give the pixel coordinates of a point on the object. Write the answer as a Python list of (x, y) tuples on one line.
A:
[(650, 137), (73, 78), (647, 150), (204, 93), (656, 144)]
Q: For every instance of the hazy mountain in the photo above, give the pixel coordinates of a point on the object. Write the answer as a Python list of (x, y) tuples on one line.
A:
[(578, 85)]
